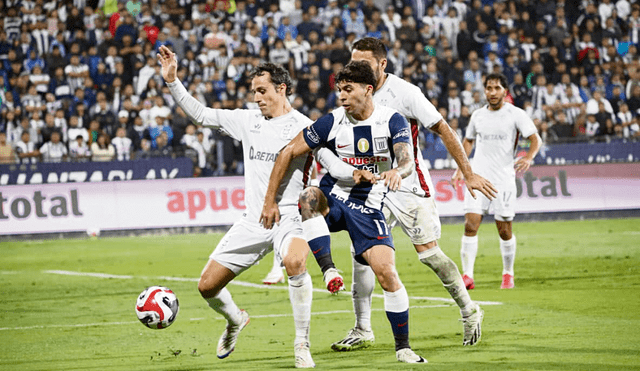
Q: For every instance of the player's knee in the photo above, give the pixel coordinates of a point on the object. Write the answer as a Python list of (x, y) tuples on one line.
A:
[(504, 230), (505, 234), (470, 229), (388, 278), (294, 263), (207, 288)]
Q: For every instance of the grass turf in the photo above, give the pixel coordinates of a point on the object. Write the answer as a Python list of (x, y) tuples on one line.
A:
[(575, 305)]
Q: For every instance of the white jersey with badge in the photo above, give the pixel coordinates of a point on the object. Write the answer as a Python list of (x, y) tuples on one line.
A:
[(261, 139), (496, 135), (409, 101), (364, 144)]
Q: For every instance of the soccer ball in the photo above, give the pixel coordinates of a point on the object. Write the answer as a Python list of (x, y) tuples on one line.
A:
[(157, 307)]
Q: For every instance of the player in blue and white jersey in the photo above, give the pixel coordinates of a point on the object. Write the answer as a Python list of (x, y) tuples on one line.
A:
[(263, 133), (495, 129), (370, 137), (412, 206)]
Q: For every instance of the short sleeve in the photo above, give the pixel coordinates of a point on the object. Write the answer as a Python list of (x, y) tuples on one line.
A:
[(399, 129), (318, 132), (422, 109), (470, 134), (525, 125)]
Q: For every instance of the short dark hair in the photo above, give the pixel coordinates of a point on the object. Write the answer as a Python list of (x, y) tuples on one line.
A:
[(375, 46), (359, 72), (497, 76), (278, 74)]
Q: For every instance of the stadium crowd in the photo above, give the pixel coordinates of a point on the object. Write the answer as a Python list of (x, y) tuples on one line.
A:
[(81, 81)]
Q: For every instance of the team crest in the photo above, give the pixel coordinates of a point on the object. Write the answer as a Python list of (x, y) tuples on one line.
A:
[(380, 144), (363, 145)]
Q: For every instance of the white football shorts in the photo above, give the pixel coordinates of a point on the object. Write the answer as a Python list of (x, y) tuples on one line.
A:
[(502, 207), (248, 241), (418, 216)]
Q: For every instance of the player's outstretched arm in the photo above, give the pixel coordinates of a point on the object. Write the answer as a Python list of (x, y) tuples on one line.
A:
[(196, 111), (404, 155), (270, 213), (523, 163)]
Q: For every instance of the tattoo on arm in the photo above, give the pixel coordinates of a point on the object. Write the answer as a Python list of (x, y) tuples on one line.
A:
[(312, 203), (404, 155)]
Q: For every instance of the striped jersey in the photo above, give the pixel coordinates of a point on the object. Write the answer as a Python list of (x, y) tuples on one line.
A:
[(262, 139), (496, 135), (366, 144), (409, 101)]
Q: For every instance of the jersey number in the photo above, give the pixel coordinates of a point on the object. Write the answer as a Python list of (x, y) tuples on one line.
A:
[(383, 230)]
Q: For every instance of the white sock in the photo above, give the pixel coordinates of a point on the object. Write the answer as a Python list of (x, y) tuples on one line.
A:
[(300, 294), (468, 254), (451, 279), (224, 304), (364, 281), (508, 250), (397, 301)]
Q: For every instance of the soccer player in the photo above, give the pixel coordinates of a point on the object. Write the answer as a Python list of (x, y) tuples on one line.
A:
[(495, 129), (412, 206), (263, 133), (359, 132)]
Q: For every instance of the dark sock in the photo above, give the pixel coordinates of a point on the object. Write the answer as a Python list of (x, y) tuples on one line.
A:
[(400, 327)]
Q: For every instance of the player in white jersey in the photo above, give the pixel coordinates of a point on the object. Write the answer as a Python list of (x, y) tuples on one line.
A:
[(495, 129), (263, 133), (369, 136), (413, 206)]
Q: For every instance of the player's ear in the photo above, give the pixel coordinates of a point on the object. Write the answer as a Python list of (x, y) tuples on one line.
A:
[(383, 64)]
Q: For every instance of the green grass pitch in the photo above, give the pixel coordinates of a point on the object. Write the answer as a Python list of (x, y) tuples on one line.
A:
[(575, 305)]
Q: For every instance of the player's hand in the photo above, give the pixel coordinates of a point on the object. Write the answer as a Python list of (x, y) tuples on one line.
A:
[(169, 63), (360, 176), (392, 179), (481, 184), (456, 179), (270, 214), (523, 164)]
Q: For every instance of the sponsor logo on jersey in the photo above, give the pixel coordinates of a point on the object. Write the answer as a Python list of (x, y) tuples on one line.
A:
[(256, 127), (363, 145), (364, 160), (312, 135), (402, 133), (493, 136), (380, 144), (262, 156), (343, 145)]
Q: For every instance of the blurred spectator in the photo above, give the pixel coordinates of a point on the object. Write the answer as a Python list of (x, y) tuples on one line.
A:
[(26, 149), (122, 144), (7, 156), (54, 150), (79, 150), (102, 150)]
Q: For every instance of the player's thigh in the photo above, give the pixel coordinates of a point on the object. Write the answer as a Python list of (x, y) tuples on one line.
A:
[(504, 208), (290, 227), (381, 259), (418, 216), (367, 228), (479, 205), (242, 246)]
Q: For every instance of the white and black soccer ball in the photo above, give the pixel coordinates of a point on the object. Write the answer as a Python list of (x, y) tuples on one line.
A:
[(157, 307)]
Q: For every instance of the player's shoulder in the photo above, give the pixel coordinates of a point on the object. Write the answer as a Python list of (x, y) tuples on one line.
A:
[(300, 118), (400, 87), (480, 112)]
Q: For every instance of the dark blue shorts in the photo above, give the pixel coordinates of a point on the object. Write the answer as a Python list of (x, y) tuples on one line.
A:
[(366, 227)]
